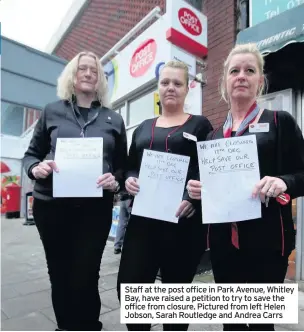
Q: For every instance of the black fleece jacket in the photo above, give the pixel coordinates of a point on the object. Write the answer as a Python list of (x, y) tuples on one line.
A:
[(63, 119)]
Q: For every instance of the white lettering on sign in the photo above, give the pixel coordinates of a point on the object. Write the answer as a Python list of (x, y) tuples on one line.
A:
[(276, 38), (190, 21), (209, 303), (142, 58), (278, 9)]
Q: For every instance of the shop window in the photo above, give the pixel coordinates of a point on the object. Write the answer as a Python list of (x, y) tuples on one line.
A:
[(141, 109), (16, 119), (196, 4), (123, 112), (242, 14)]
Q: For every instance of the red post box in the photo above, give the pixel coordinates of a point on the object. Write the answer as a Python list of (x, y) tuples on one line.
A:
[(13, 200)]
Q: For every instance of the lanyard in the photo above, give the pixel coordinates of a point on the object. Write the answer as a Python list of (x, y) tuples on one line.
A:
[(170, 133)]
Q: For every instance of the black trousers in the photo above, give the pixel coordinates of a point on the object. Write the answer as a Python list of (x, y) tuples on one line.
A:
[(152, 245), (74, 234), (231, 265)]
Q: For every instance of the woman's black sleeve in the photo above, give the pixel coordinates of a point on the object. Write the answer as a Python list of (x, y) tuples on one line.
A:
[(39, 146)]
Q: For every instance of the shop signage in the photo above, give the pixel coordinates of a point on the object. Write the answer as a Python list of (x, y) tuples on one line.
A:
[(143, 58), (190, 21), (187, 27)]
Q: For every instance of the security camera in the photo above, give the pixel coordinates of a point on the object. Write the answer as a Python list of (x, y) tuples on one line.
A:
[(201, 79)]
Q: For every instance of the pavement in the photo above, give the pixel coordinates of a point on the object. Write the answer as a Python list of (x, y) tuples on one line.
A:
[(25, 288)]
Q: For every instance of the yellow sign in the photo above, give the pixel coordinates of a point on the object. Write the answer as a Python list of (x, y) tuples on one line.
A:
[(156, 104)]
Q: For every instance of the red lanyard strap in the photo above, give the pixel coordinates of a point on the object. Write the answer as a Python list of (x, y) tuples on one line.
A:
[(170, 133)]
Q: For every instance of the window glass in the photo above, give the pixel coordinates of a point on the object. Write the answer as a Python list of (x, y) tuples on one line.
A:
[(16, 119), (141, 109)]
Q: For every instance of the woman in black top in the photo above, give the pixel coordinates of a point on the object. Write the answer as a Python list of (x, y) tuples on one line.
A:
[(74, 231), (256, 251), (150, 245)]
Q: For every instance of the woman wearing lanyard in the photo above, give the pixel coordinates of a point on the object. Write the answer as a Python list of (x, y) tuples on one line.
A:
[(150, 245), (74, 231), (256, 251)]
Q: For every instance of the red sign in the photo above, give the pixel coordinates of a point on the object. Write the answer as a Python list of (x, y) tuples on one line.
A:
[(143, 58), (190, 21), (192, 85)]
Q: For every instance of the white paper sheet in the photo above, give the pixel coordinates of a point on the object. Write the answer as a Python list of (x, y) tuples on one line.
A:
[(229, 170), (80, 163), (162, 180)]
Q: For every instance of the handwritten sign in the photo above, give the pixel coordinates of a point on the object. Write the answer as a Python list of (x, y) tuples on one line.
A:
[(229, 170), (80, 163), (162, 179)]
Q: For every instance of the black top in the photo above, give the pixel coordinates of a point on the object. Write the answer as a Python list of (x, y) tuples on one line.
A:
[(84, 111), (63, 119), (197, 126), (281, 154)]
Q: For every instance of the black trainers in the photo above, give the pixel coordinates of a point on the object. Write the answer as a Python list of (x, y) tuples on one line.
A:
[(117, 251)]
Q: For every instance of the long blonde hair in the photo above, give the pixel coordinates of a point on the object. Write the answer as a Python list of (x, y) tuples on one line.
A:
[(250, 48), (65, 83)]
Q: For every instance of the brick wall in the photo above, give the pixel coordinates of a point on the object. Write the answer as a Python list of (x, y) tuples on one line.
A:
[(102, 24), (221, 39)]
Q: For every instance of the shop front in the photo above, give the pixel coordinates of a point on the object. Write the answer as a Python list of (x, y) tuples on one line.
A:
[(181, 34), (281, 40)]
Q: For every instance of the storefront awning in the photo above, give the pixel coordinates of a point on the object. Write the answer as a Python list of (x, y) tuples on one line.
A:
[(277, 32)]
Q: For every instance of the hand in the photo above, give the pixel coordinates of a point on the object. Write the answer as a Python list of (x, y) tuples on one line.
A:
[(107, 181), (44, 169), (132, 186), (194, 189), (186, 209), (270, 187)]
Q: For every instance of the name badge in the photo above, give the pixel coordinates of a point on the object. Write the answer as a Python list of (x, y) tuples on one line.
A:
[(259, 128), (190, 137)]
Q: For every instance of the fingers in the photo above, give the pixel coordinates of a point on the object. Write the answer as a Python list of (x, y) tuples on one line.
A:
[(107, 181), (194, 189), (265, 191), (194, 196), (104, 178), (258, 187), (186, 210), (191, 213), (269, 187), (181, 208), (277, 192), (277, 187), (52, 164), (194, 184), (44, 169), (132, 186), (39, 172)]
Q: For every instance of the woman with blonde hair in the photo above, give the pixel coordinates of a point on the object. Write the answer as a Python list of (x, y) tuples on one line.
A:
[(74, 231), (151, 244), (256, 251)]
